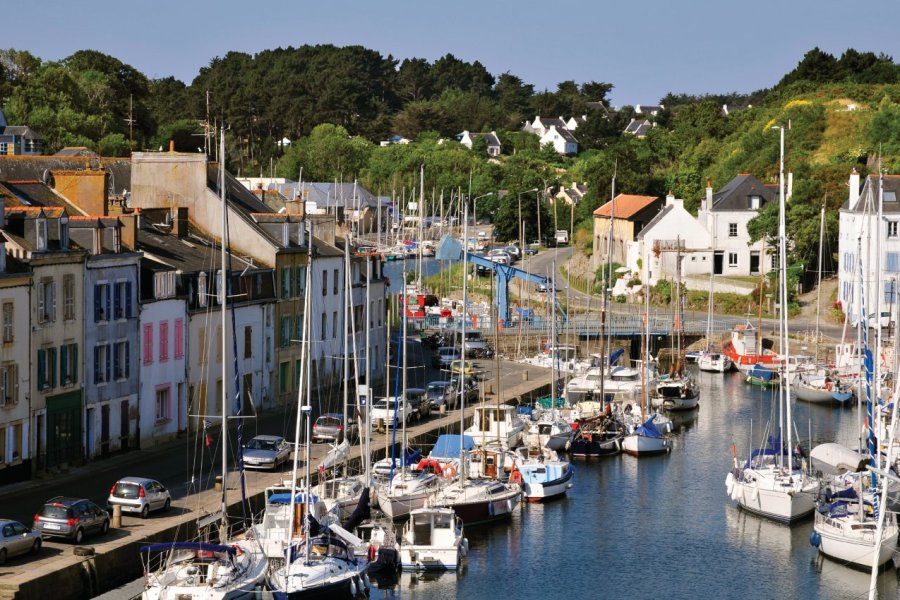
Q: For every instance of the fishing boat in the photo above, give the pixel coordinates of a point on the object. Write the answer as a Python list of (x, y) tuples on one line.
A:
[(761, 377), (543, 479), (433, 539), (745, 349)]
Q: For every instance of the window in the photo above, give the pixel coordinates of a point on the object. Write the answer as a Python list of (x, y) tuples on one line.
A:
[(892, 265), (732, 259), (8, 316), (201, 344), (9, 384), (64, 233), (335, 282), (732, 230), (163, 285), (372, 314), (892, 229), (324, 283), (163, 341), (298, 336), (122, 300), (286, 282), (285, 331), (46, 300), (102, 302), (283, 377), (380, 311), (162, 403), (46, 368), (148, 343), (68, 364), (889, 295), (334, 323), (754, 202), (248, 342), (41, 234), (201, 290), (122, 362), (300, 279), (69, 297), (102, 360), (324, 327), (179, 338)]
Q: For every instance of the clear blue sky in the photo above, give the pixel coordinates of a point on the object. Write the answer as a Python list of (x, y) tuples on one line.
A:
[(645, 49)]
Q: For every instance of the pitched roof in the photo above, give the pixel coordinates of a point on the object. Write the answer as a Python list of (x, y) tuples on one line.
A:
[(638, 127), (37, 168), (563, 132), (736, 194), (652, 223), (627, 205), (870, 192), (76, 151)]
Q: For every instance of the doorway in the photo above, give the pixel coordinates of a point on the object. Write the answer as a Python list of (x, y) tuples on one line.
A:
[(754, 262), (104, 430), (718, 262), (124, 429)]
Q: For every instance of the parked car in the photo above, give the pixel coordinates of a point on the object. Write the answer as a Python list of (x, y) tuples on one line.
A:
[(16, 539), (470, 389), (874, 321), (383, 412), (543, 288), (418, 401), (139, 495), (475, 344), (439, 393), (266, 452), (71, 518), (445, 356), (330, 427), (513, 251), (500, 256), (530, 250), (470, 369)]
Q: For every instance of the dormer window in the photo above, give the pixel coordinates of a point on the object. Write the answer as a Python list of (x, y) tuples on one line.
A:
[(41, 234), (117, 240), (64, 233), (754, 202)]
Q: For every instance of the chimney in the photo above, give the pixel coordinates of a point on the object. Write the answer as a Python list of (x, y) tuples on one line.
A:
[(180, 226), (130, 226), (98, 238), (671, 200), (709, 196), (854, 189)]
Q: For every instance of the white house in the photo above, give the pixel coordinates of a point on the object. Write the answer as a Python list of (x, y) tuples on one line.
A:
[(326, 313), (857, 244), (725, 214), (653, 253), (562, 139), (541, 125), (467, 138)]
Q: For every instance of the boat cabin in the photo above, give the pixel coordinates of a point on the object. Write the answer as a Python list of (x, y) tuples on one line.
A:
[(496, 424), (432, 527)]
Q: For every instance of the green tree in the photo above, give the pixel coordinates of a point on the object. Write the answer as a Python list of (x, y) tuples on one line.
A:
[(327, 154)]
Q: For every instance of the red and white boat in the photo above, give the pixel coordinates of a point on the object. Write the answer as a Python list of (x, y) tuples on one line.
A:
[(743, 349)]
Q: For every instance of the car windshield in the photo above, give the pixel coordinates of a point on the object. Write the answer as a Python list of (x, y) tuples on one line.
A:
[(328, 422), (55, 511), (437, 387), (127, 489), (257, 444)]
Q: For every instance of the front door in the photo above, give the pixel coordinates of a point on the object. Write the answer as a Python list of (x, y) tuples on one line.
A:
[(754, 262), (123, 427), (104, 430), (718, 262)]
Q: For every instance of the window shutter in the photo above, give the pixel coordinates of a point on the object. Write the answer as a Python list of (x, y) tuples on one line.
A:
[(75, 363), (98, 308), (127, 359), (108, 302), (128, 313), (63, 364), (96, 364), (106, 378), (51, 365), (14, 369), (52, 302), (115, 361), (41, 368), (41, 302), (117, 302), (299, 328)]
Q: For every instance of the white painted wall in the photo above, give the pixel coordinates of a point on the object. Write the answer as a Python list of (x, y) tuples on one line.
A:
[(157, 373)]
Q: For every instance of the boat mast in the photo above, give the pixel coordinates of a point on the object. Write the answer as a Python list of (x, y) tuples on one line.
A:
[(604, 347), (367, 458), (782, 251), (644, 351), (462, 396), (222, 304), (819, 278)]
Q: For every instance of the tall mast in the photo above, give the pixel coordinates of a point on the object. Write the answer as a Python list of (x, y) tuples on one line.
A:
[(785, 347), (348, 300), (462, 396), (367, 459), (819, 278), (222, 304), (604, 347)]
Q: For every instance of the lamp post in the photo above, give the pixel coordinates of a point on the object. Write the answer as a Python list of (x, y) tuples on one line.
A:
[(521, 223)]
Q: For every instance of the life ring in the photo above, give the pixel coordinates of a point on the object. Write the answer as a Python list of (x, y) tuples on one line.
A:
[(515, 477), (828, 386), (449, 471), (372, 552)]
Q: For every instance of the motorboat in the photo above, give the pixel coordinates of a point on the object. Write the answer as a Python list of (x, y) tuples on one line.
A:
[(743, 348), (542, 478), (499, 424), (678, 392), (714, 362), (646, 439), (433, 539)]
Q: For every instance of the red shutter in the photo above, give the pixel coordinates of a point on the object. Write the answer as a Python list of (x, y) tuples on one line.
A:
[(164, 340), (148, 343), (179, 338)]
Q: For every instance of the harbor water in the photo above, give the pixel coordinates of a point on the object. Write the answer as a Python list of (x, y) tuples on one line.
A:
[(660, 526)]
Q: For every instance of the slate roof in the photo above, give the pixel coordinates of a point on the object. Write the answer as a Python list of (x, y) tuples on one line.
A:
[(870, 188), (37, 168), (190, 254), (627, 205), (33, 193), (652, 223), (735, 195), (565, 134), (638, 127), (76, 151)]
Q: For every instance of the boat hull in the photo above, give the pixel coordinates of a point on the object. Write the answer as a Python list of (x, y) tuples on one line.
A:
[(399, 507), (338, 589), (815, 395), (766, 498), (585, 448), (540, 491), (854, 548), (427, 558), (642, 445)]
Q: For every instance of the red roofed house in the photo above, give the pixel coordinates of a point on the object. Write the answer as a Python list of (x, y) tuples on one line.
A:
[(628, 214)]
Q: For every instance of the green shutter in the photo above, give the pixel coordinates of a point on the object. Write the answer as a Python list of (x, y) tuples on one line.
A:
[(51, 365), (63, 364), (75, 363), (42, 369)]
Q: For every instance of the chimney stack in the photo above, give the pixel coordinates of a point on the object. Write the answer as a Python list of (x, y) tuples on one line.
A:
[(180, 227), (130, 226), (854, 189), (709, 195)]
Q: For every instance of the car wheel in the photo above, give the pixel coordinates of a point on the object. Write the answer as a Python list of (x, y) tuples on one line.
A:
[(145, 511), (36, 547), (168, 504), (105, 527), (2, 556), (79, 536)]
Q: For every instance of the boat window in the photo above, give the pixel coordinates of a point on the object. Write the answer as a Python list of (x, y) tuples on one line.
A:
[(442, 520)]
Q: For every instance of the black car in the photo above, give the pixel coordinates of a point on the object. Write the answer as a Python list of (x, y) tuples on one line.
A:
[(71, 518)]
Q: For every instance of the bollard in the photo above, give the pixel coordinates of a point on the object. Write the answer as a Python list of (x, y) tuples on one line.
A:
[(443, 409), (117, 516), (525, 376), (218, 483)]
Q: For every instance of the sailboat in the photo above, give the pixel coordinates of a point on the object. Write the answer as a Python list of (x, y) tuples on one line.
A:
[(646, 438), (768, 483), (234, 569), (678, 391), (317, 563), (711, 359)]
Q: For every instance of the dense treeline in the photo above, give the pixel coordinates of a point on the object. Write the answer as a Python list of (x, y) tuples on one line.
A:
[(335, 105)]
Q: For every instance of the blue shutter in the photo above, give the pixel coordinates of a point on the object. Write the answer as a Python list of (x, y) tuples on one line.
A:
[(96, 364), (97, 306), (109, 302), (117, 302), (127, 359), (108, 361), (115, 361), (41, 368), (128, 313), (75, 363), (63, 363)]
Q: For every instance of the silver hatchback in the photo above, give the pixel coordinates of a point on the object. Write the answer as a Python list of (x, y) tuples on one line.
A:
[(139, 495), (71, 518), (17, 539)]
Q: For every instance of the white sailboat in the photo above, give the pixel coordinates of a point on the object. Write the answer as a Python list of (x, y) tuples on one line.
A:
[(235, 569), (710, 359), (768, 483)]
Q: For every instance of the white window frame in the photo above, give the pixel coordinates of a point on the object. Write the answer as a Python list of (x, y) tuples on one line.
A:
[(732, 260)]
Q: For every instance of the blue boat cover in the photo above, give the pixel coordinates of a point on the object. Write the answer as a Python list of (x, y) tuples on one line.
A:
[(762, 373), (447, 446), (525, 410), (616, 355), (299, 498), (548, 402), (648, 429), (194, 546)]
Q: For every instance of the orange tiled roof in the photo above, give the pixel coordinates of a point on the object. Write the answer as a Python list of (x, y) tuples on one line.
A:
[(627, 205)]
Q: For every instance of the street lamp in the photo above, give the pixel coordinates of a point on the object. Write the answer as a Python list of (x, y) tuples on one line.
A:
[(521, 223)]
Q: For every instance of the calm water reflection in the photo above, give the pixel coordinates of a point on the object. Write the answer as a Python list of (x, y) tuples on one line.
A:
[(660, 527)]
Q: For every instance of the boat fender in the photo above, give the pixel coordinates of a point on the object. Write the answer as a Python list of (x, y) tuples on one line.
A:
[(465, 546), (353, 587), (509, 505), (515, 477), (754, 493), (815, 539), (729, 483), (373, 552)]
